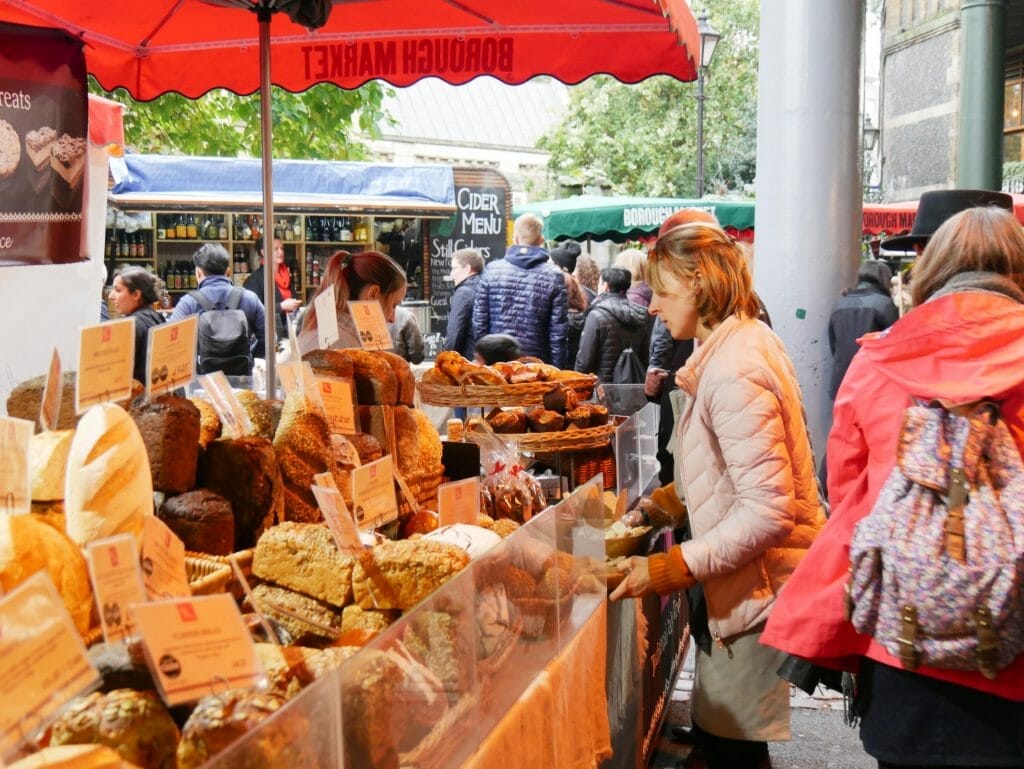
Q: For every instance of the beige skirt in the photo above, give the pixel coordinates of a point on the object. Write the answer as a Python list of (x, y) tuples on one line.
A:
[(739, 696)]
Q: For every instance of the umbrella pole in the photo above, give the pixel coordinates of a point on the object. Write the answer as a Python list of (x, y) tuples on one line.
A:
[(267, 153)]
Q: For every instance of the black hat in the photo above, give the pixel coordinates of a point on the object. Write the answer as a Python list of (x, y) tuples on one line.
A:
[(939, 205), (565, 255)]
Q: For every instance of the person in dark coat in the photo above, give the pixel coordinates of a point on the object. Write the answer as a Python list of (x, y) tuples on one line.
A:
[(613, 323), (523, 294), (565, 257), (865, 308), (134, 293), (282, 279), (467, 264)]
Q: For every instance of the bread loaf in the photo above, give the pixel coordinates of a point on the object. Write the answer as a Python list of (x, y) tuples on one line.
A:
[(74, 757), (330, 363), (52, 514), (303, 448), (202, 520), (245, 472), (303, 557), (371, 621), (271, 599), (428, 442), (368, 447), (435, 638), (260, 412), (28, 545), (209, 422), (26, 399), (135, 724), (405, 381), (169, 426), (375, 380), (221, 719), (48, 461), (108, 488), (398, 575)]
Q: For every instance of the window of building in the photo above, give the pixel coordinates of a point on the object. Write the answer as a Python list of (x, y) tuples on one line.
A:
[(1013, 110)]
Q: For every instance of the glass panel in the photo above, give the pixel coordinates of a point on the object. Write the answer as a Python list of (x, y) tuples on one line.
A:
[(1013, 147), (1012, 106), (627, 465), (647, 440)]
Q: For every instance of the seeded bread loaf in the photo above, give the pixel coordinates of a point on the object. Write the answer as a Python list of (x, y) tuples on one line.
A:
[(245, 472), (221, 719), (398, 575), (74, 757), (260, 412), (169, 426), (303, 448), (202, 520), (303, 557), (270, 597), (209, 422), (405, 381), (373, 621)]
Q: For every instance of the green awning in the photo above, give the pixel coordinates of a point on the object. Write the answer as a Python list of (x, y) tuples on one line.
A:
[(622, 218)]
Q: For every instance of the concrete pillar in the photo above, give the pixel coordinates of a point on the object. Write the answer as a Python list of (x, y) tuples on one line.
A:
[(979, 162), (808, 214)]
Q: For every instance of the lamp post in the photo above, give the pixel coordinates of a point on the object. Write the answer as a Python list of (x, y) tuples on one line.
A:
[(708, 40), (869, 136)]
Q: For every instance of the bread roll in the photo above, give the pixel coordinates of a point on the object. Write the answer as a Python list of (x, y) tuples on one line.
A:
[(398, 575), (507, 422), (202, 520), (169, 426), (48, 461), (404, 379), (108, 488), (245, 472), (28, 545), (304, 557)]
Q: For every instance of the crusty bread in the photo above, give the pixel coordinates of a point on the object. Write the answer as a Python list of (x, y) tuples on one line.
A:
[(260, 412), (245, 472), (28, 545), (398, 575), (52, 514), (48, 461), (375, 380), (74, 757), (169, 426), (221, 719), (303, 448), (269, 597), (108, 488), (209, 422), (26, 399), (303, 557), (202, 520), (355, 617), (406, 382), (368, 447), (330, 363)]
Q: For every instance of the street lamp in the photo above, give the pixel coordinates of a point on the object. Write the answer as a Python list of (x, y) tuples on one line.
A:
[(708, 40), (870, 134)]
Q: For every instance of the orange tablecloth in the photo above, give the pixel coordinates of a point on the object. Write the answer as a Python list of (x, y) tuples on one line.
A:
[(561, 720)]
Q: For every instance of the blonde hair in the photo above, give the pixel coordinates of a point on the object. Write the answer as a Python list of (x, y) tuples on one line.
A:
[(982, 239), (634, 260), (529, 230), (350, 273), (704, 255)]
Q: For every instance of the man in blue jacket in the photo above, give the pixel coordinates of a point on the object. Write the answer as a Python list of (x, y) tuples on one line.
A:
[(467, 264), (524, 295), (211, 264)]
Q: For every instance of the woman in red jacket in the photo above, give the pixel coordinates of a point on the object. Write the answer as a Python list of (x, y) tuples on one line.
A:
[(963, 340)]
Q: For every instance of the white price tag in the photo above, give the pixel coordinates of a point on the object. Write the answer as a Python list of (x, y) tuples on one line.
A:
[(49, 409), (326, 318), (163, 561), (371, 324), (171, 356), (116, 582), (373, 494), (106, 356), (232, 416), (15, 477), (339, 520), (459, 502)]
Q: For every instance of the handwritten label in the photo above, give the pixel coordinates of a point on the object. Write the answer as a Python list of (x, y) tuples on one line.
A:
[(15, 479), (116, 582), (163, 561), (371, 325), (171, 356), (458, 502), (49, 409), (106, 355), (42, 659), (373, 493), (197, 645), (326, 318), (339, 520), (337, 396), (232, 416)]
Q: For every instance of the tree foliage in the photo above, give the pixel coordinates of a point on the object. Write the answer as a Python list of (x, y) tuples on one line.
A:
[(324, 122), (642, 138)]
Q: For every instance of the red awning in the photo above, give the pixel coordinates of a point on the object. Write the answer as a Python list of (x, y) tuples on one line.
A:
[(898, 218), (191, 46), (106, 124)]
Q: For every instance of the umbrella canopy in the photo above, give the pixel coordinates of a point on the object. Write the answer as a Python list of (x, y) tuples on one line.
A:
[(620, 218), (896, 218), (191, 46)]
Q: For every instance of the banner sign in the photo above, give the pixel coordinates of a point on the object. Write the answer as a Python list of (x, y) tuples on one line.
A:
[(43, 146)]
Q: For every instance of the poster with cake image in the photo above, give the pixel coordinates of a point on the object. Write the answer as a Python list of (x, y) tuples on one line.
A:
[(43, 145)]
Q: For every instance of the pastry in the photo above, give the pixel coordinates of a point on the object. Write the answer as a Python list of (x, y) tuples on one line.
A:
[(220, 719), (28, 545), (169, 426), (38, 144), (545, 421), (578, 417), (244, 471), (507, 422), (561, 399), (287, 608), (108, 488), (135, 724), (202, 520), (304, 557), (48, 460), (67, 158), (209, 422), (10, 149), (435, 376), (398, 575)]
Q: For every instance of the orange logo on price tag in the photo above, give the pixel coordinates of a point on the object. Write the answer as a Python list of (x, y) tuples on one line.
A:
[(187, 612), (327, 388), (113, 555), (106, 335), (174, 334)]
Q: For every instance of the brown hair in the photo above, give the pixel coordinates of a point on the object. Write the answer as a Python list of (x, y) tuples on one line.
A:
[(351, 273), (704, 254), (587, 272), (142, 280), (982, 239)]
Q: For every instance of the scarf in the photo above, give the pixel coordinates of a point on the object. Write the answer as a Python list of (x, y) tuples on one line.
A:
[(283, 279)]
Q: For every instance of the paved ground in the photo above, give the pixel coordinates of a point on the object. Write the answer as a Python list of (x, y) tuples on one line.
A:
[(820, 738)]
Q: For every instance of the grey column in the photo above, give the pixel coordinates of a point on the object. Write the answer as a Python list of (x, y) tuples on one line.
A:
[(979, 163), (808, 216)]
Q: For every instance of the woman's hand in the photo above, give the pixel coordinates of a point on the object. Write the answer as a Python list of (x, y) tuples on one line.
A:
[(637, 582)]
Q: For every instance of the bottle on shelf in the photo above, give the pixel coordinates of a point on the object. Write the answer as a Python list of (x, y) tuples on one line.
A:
[(192, 232), (297, 228), (222, 228), (346, 229), (180, 228), (210, 228), (362, 231)]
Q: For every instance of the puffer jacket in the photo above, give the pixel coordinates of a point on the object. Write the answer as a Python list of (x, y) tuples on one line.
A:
[(860, 311), (613, 323), (748, 473), (459, 335), (523, 295), (957, 348)]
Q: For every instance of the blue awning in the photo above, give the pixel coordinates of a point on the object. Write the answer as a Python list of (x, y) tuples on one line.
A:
[(170, 182)]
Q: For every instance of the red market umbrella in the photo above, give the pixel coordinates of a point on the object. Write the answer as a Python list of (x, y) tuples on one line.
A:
[(192, 46), (895, 218)]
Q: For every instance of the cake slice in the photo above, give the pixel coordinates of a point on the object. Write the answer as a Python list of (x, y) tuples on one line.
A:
[(38, 146), (67, 158)]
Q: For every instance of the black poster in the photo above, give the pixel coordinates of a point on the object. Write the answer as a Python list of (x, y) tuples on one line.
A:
[(43, 145), (480, 222)]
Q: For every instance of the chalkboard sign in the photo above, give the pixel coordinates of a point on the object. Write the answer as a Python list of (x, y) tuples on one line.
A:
[(481, 222)]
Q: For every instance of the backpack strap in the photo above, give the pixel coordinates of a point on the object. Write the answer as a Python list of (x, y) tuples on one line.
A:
[(201, 298), (235, 298)]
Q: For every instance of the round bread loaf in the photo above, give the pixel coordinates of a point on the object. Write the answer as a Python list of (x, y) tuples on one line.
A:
[(221, 719), (73, 757), (169, 426), (245, 472), (261, 414), (202, 519), (28, 545)]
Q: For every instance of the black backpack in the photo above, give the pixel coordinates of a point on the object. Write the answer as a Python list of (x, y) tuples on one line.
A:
[(628, 368), (223, 335)]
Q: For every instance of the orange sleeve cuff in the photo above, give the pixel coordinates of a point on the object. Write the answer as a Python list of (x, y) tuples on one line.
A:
[(669, 572)]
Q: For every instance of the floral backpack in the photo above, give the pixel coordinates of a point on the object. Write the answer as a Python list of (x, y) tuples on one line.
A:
[(936, 566)]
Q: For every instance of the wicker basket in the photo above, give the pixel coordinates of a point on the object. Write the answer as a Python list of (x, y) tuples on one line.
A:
[(206, 576), (525, 394), (562, 440), (231, 585)]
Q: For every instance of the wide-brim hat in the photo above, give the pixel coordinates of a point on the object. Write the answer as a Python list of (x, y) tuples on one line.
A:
[(937, 206)]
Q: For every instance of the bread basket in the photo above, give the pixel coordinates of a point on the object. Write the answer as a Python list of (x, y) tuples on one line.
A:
[(522, 394), (561, 440), (633, 544)]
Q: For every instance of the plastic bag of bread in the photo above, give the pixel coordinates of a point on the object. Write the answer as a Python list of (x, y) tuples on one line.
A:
[(509, 491)]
